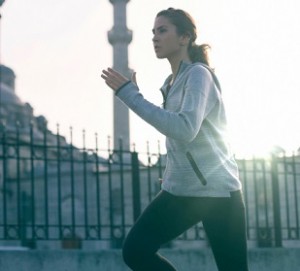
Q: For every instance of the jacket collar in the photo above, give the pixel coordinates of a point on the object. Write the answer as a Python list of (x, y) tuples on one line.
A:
[(182, 66)]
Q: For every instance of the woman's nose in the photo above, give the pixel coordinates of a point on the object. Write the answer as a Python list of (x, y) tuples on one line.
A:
[(154, 38)]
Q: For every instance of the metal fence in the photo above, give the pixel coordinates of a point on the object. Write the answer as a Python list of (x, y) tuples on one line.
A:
[(52, 190)]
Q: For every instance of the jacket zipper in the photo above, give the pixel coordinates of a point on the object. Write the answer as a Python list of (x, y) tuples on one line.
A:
[(165, 95), (195, 168), (164, 98)]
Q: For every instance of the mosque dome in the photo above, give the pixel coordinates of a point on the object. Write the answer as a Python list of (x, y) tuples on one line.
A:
[(7, 87), (8, 96)]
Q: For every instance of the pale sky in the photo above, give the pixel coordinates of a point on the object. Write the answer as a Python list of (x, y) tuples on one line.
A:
[(58, 49)]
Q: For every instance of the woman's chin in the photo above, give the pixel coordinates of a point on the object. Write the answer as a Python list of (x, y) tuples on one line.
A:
[(159, 56)]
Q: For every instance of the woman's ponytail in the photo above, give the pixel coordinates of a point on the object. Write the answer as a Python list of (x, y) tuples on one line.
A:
[(199, 53)]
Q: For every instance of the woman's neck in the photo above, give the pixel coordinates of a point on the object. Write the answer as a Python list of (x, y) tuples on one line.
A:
[(175, 64)]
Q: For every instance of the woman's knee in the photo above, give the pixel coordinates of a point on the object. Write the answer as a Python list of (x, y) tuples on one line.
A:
[(127, 253), (133, 253)]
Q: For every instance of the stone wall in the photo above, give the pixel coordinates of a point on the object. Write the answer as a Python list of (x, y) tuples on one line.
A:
[(275, 259)]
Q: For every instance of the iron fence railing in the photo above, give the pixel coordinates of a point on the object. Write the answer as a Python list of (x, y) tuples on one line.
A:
[(52, 190)]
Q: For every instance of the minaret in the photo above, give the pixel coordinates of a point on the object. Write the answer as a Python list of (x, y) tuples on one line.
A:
[(119, 37), (1, 3)]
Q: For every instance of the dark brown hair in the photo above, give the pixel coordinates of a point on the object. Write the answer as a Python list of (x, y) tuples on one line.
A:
[(185, 25)]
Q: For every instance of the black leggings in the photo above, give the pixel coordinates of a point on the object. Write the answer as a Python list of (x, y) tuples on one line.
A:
[(168, 216)]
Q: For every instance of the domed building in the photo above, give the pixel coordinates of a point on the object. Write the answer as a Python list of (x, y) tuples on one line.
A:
[(14, 113), (46, 180), (8, 97), (7, 76), (29, 157)]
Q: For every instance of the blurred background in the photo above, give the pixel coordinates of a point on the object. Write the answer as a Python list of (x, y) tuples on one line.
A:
[(57, 50)]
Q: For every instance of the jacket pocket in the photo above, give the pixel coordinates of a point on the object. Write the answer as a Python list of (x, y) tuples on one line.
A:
[(195, 168)]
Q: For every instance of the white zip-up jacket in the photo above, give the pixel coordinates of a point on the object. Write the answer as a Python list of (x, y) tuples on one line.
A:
[(199, 159)]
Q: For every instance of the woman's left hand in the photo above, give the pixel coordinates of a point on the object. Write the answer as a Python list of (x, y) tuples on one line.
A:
[(113, 78)]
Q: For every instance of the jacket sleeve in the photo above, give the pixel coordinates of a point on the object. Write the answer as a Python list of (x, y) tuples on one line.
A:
[(185, 124)]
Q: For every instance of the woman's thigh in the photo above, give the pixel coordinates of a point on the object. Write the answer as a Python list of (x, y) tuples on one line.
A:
[(166, 217), (225, 227)]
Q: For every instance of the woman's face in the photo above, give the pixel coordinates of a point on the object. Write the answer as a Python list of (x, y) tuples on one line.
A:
[(166, 41)]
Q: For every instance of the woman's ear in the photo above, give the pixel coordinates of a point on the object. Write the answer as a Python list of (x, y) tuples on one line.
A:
[(185, 39)]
